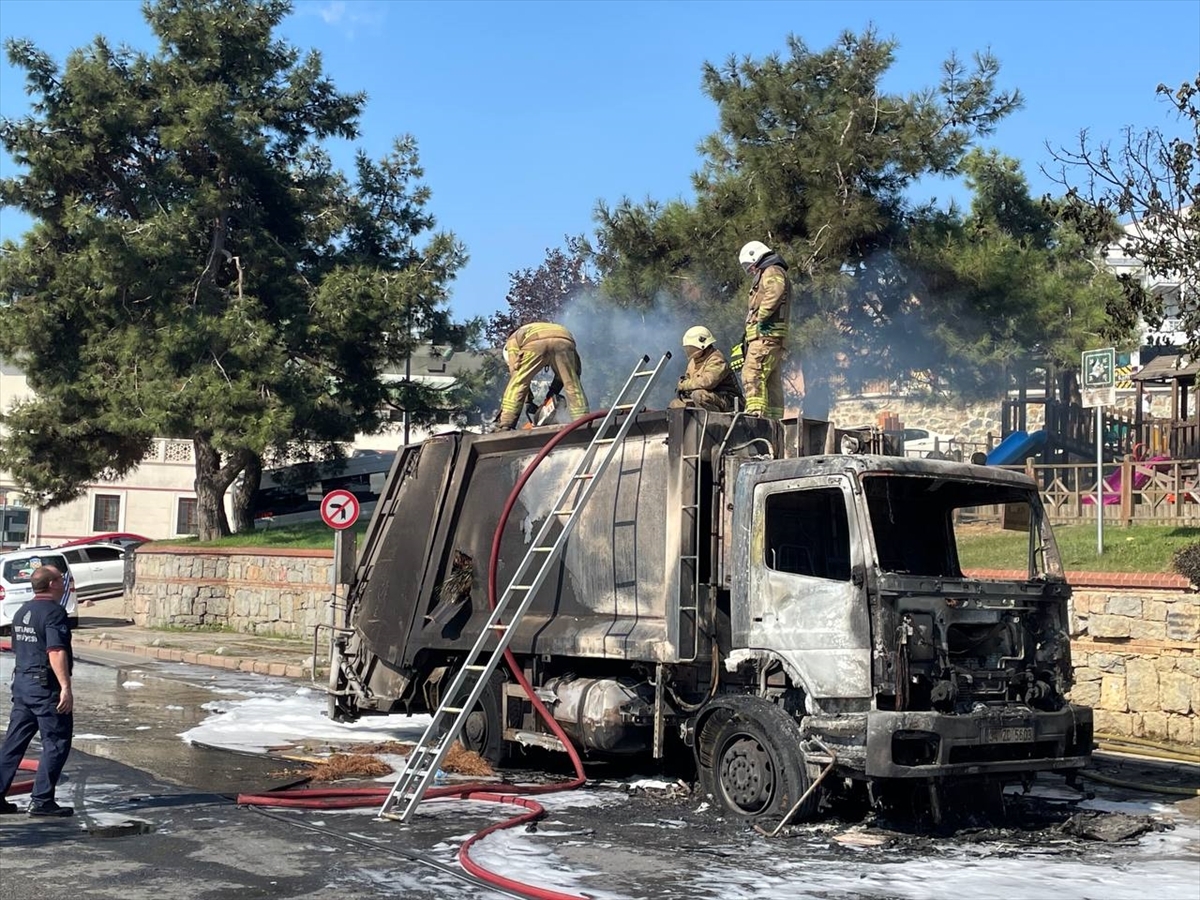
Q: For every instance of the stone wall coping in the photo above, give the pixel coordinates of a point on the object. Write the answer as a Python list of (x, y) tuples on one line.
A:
[(1098, 579), (183, 550)]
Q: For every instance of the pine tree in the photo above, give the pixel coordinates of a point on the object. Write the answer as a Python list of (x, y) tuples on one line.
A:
[(197, 268), (812, 157)]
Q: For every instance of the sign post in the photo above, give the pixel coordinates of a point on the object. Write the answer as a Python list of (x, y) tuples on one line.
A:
[(1098, 389), (339, 510)]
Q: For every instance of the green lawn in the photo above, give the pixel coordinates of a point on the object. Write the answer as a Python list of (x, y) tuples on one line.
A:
[(306, 536), (1138, 548)]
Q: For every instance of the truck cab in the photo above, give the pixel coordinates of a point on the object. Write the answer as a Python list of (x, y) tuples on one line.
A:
[(851, 609)]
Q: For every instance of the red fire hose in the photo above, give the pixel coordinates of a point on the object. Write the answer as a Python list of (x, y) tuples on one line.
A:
[(349, 798), (21, 787)]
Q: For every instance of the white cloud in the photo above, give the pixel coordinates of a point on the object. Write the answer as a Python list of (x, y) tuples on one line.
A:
[(346, 17), (333, 12)]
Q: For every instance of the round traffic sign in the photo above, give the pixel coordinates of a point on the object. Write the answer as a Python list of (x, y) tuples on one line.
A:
[(340, 509)]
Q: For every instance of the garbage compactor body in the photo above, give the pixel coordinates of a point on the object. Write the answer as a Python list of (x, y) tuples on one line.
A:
[(733, 591)]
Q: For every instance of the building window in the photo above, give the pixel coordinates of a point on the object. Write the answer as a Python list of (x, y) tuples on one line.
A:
[(107, 513), (185, 517)]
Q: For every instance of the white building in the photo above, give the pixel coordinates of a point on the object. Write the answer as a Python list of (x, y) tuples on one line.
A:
[(1119, 260), (157, 499)]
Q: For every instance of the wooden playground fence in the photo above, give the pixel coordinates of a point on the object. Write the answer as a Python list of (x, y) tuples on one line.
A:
[(1148, 492)]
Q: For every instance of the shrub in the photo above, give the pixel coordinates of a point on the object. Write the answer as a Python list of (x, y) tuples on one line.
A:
[(1186, 562)]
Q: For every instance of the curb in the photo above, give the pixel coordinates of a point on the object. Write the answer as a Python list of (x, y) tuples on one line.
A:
[(212, 660)]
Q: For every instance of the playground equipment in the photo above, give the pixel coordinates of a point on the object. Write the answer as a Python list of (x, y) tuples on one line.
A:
[(1016, 448), (1143, 471)]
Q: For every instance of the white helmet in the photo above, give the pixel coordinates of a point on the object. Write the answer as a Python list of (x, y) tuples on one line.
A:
[(697, 336), (751, 253)]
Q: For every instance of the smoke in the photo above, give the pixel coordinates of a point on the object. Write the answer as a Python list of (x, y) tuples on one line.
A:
[(611, 341), (887, 324)]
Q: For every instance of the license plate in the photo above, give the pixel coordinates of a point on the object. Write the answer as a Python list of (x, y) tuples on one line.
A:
[(1009, 734)]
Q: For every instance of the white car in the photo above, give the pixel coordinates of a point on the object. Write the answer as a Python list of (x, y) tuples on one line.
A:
[(16, 568), (921, 442), (98, 569)]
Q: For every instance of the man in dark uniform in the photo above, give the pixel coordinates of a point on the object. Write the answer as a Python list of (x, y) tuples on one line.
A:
[(41, 693)]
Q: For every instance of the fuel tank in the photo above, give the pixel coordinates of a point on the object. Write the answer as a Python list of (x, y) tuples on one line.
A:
[(611, 715)]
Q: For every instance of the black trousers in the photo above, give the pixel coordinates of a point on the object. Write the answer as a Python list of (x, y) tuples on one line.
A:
[(35, 714)]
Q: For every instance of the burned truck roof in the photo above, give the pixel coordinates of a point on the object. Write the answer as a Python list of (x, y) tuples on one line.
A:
[(830, 464)]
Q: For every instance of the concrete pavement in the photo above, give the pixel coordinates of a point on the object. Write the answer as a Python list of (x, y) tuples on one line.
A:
[(103, 625)]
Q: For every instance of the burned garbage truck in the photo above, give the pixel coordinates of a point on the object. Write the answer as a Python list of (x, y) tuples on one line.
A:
[(733, 593)]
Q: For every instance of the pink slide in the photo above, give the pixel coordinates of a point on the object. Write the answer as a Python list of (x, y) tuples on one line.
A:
[(1142, 472)]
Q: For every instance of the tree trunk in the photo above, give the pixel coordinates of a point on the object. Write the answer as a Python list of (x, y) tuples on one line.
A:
[(243, 494), (212, 479)]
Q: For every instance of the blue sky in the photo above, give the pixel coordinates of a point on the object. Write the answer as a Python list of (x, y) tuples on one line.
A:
[(527, 114)]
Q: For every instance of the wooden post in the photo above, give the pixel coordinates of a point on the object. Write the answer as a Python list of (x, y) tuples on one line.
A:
[(1127, 470)]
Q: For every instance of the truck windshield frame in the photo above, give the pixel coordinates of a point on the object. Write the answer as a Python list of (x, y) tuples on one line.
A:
[(917, 521)]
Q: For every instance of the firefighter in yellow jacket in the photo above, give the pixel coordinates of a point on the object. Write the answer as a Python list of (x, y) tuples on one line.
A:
[(766, 329), (708, 382), (527, 351)]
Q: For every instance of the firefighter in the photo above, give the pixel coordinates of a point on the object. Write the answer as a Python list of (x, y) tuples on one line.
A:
[(766, 329), (527, 351), (708, 382)]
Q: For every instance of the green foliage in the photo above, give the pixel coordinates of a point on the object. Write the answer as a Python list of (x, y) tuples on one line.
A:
[(197, 268), (1150, 182), (1186, 562), (814, 158), (1005, 286)]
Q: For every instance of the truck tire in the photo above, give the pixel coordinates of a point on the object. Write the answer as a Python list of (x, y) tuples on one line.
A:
[(758, 768), (483, 731)]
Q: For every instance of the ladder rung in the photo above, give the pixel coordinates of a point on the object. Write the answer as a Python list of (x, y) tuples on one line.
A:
[(499, 626), (563, 512), (519, 587), (621, 406), (604, 440), (474, 668), (585, 475), (453, 709), (541, 549), (642, 373)]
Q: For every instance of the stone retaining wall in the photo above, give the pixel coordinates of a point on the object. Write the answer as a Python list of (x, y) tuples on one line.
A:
[(1136, 653), (971, 423), (251, 591)]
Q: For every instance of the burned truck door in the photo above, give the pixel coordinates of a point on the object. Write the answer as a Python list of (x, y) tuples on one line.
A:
[(806, 598)]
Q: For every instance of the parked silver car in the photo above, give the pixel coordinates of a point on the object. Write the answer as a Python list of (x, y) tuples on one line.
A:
[(16, 568)]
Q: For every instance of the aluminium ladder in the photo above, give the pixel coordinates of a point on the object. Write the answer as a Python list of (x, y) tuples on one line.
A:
[(481, 661)]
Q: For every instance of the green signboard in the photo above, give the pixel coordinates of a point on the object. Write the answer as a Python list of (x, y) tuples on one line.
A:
[(1099, 369)]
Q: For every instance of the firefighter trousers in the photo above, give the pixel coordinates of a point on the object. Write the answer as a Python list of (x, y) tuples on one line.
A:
[(557, 353), (762, 378)]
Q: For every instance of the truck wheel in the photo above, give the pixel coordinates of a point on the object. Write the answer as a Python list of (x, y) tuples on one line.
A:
[(483, 731), (758, 770)]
